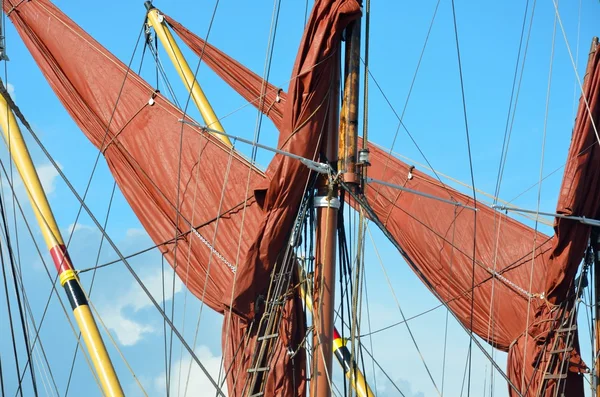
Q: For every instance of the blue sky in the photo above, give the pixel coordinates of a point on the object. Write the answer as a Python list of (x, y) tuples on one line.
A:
[(489, 37)]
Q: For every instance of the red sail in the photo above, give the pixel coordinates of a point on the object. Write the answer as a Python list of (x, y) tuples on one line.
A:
[(301, 133), (266, 97), (161, 165), (437, 240), (579, 195)]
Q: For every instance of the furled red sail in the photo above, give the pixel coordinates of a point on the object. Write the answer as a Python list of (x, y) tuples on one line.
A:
[(579, 196), (301, 131), (304, 116), (437, 238)]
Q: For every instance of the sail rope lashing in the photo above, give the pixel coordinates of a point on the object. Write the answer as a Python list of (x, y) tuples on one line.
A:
[(214, 251), (583, 94), (375, 219), (85, 207), (410, 333), (37, 337)]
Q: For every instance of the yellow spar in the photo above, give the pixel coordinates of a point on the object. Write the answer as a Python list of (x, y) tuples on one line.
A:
[(68, 279), (155, 19)]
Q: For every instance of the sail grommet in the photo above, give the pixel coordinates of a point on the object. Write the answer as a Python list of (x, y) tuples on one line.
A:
[(325, 201), (410, 172)]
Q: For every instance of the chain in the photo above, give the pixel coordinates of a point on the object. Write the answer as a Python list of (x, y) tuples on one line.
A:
[(214, 251)]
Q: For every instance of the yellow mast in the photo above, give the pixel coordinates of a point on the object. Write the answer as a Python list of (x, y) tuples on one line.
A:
[(156, 20), (67, 276)]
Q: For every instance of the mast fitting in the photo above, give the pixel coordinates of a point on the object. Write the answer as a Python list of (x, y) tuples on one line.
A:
[(327, 202)]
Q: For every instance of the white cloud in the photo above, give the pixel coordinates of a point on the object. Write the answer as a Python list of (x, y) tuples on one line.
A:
[(72, 228), (128, 330), (135, 232), (137, 298), (198, 383), (48, 174)]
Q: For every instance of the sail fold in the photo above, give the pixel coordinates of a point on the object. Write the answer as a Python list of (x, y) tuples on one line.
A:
[(511, 259)]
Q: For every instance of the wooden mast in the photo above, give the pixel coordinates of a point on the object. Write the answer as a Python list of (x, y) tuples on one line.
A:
[(327, 205)]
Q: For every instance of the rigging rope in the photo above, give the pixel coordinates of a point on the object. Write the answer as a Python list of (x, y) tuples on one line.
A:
[(511, 120), (587, 105), (464, 106), (112, 195), (412, 337), (52, 281), (13, 268), (539, 197), (401, 116), (85, 207), (375, 219)]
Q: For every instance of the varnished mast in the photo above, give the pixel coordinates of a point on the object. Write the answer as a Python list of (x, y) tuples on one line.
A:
[(327, 205)]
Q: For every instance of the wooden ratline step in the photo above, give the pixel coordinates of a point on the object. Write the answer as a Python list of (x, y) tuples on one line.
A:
[(565, 350), (271, 336), (259, 369), (260, 393), (555, 376), (568, 329)]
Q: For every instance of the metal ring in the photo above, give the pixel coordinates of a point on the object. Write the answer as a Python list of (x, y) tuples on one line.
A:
[(324, 201)]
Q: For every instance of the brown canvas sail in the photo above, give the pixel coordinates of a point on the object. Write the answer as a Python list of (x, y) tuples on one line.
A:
[(440, 254), (579, 196), (437, 238), (174, 176), (140, 136)]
